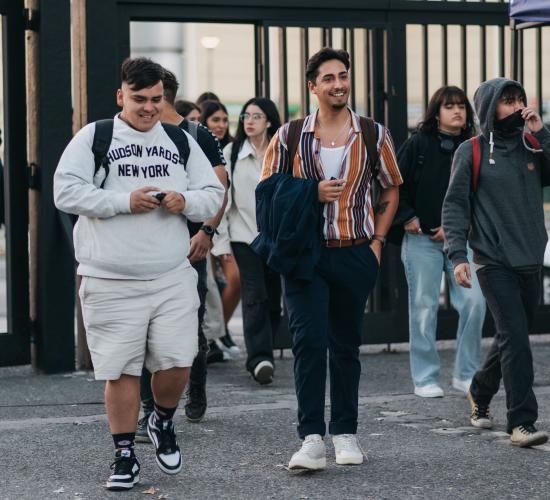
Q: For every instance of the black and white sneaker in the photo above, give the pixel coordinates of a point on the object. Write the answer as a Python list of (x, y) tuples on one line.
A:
[(141, 432), (167, 449), (215, 354), (228, 345), (125, 471)]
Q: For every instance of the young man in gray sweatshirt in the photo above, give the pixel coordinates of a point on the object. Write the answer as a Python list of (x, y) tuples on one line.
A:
[(139, 292), (502, 217)]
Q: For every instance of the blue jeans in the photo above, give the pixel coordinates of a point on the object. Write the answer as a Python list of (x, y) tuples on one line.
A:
[(424, 261)]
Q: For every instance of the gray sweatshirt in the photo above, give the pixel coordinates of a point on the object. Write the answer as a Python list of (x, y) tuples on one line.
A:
[(504, 220), (110, 241)]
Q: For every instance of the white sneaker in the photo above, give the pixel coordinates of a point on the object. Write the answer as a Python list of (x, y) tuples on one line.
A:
[(429, 391), (347, 449), (263, 372), (462, 385), (311, 455)]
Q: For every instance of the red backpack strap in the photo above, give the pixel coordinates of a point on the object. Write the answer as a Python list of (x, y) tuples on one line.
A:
[(532, 140), (476, 161)]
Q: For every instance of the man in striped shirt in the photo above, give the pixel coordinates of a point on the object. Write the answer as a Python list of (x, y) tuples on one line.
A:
[(327, 313)]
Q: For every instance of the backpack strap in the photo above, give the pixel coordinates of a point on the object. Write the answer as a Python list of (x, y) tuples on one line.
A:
[(368, 130), (178, 137), (103, 136), (192, 128), (532, 140), (293, 139), (476, 162)]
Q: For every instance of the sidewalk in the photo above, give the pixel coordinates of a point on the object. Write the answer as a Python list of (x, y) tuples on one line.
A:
[(54, 442)]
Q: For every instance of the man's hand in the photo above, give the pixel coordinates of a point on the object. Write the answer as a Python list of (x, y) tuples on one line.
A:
[(463, 275), (174, 202), (200, 244), (376, 247), (330, 190), (142, 202), (413, 227), (532, 119), (438, 235)]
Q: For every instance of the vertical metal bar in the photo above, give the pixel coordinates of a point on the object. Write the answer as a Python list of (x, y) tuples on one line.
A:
[(464, 57), (266, 63), (425, 68), (345, 38), (514, 51), (483, 55), (327, 37), (258, 66), (368, 73), (304, 54), (352, 58), (521, 54), (538, 66), (501, 51), (283, 74), (445, 54)]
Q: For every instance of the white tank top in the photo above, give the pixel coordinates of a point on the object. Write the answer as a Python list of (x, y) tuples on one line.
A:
[(331, 160)]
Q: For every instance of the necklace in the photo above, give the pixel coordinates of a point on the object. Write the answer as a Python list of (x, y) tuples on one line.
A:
[(345, 127)]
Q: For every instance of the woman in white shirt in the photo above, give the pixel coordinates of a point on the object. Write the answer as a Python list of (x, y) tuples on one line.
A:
[(260, 287)]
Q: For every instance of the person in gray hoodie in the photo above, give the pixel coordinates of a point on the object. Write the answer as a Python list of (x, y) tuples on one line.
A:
[(501, 216)]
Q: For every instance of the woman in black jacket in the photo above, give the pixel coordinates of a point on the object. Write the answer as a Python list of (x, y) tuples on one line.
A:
[(425, 164)]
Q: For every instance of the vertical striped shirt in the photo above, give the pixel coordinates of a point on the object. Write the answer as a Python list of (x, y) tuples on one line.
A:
[(352, 215)]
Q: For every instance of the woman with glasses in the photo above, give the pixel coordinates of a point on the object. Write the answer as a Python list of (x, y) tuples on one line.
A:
[(260, 287)]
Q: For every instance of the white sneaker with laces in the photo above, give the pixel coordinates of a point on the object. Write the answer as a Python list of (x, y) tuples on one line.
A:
[(311, 456), (429, 391), (347, 449), (462, 385)]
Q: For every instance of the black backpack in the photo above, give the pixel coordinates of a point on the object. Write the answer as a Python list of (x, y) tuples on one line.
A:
[(103, 136)]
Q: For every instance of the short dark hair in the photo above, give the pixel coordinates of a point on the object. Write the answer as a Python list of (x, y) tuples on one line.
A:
[(513, 92), (185, 107), (141, 73), (171, 85), (324, 55), (207, 96)]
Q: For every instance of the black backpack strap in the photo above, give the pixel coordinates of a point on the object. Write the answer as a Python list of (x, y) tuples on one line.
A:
[(192, 128), (293, 139), (178, 137), (368, 129), (103, 136)]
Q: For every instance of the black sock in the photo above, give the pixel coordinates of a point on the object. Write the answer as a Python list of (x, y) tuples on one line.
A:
[(124, 441), (163, 414)]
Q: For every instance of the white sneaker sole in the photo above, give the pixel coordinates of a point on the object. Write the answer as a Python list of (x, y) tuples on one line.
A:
[(350, 460), (483, 424), (264, 374), (308, 464), (122, 486)]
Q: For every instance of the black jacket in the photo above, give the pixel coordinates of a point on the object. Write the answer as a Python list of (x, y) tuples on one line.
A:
[(288, 214)]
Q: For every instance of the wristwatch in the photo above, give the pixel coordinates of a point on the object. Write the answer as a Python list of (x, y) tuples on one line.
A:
[(380, 238), (209, 230)]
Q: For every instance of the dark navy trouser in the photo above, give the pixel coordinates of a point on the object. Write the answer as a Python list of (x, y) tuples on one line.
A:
[(328, 314)]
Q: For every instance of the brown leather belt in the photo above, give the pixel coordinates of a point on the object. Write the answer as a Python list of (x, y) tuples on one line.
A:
[(344, 243)]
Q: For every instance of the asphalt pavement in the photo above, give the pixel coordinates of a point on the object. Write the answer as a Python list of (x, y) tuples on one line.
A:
[(54, 441)]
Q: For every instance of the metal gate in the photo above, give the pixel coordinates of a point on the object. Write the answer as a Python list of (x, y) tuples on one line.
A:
[(15, 339)]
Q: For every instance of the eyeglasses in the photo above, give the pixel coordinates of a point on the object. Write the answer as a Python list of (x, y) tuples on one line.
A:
[(255, 116)]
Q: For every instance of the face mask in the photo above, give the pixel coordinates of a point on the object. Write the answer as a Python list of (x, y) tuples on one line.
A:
[(510, 123)]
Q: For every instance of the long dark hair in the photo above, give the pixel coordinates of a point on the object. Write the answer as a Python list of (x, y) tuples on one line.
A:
[(272, 116), (208, 108), (448, 94)]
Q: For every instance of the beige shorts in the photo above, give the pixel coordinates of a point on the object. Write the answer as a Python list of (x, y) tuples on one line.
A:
[(132, 322)]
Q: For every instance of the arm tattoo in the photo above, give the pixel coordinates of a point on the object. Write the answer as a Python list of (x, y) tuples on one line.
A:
[(380, 208)]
